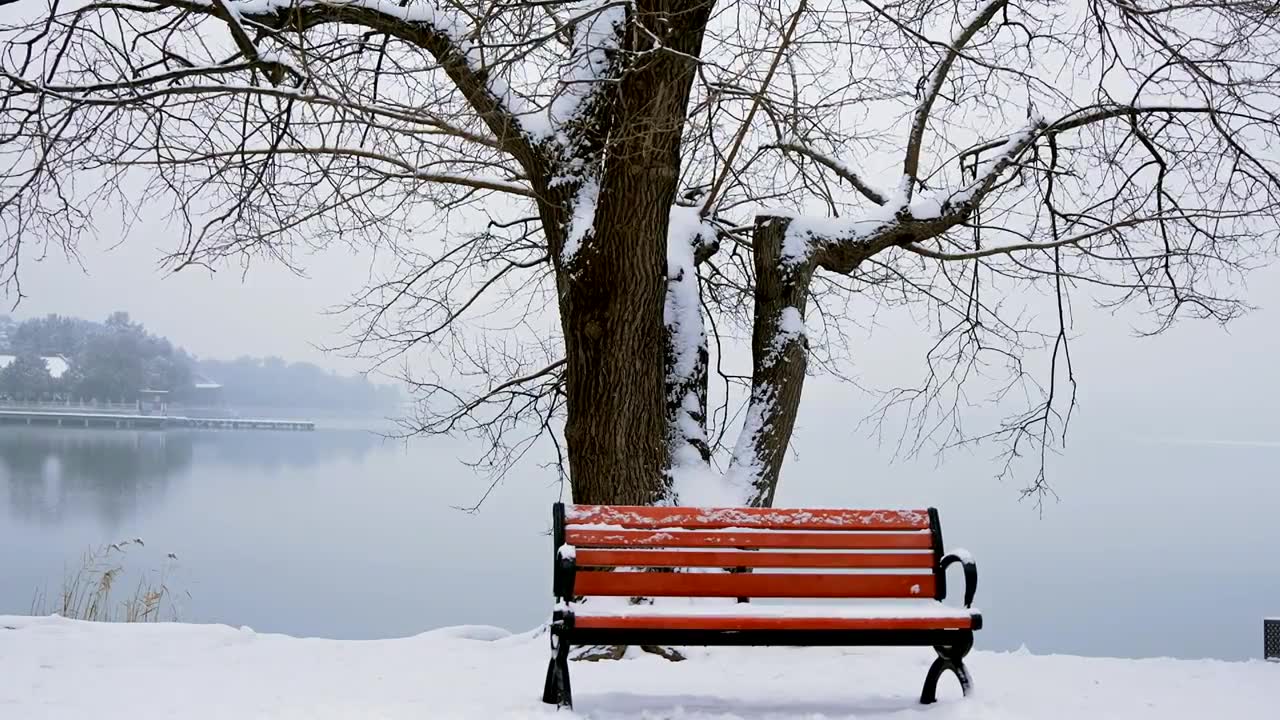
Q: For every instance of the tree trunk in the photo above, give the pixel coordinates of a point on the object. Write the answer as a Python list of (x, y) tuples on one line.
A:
[(613, 290), (779, 352), (687, 355)]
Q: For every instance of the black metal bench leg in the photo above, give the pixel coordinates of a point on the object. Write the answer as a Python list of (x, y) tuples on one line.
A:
[(550, 692), (950, 657), (562, 672), (557, 690), (962, 674), (929, 694)]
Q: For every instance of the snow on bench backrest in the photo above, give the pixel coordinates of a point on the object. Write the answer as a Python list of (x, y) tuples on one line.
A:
[(634, 517)]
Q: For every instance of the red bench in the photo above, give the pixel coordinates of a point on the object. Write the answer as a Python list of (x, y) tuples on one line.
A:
[(891, 557)]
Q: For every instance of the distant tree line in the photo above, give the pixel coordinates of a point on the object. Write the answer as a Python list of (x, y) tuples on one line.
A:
[(110, 360), (273, 382), (115, 359)]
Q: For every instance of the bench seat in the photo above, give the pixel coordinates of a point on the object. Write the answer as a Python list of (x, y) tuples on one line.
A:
[(855, 615)]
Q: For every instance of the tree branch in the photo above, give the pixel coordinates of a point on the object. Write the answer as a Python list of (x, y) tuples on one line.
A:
[(417, 25), (755, 105), (410, 170), (933, 87), (835, 166), (1033, 247)]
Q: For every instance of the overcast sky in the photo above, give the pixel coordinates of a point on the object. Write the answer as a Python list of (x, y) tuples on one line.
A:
[(267, 311)]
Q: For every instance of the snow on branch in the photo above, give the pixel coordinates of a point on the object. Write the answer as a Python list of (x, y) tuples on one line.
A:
[(446, 35), (987, 174), (683, 312), (231, 15), (746, 466), (1010, 148), (686, 347), (790, 329), (582, 219), (422, 13), (808, 235), (902, 219), (570, 119), (933, 87), (596, 36), (421, 24)]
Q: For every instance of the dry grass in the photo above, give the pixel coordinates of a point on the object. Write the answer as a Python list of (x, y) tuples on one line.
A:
[(87, 591)]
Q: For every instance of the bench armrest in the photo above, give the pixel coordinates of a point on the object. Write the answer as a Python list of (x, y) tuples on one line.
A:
[(566, 567), (970, 572), (564, 562)]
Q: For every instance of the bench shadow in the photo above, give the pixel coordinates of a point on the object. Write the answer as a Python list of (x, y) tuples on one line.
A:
[(647, 705)]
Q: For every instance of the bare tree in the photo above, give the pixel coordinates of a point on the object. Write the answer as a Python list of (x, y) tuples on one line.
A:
[(655, 168)]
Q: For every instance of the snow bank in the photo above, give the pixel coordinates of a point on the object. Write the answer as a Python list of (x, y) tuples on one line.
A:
[(55, 669)]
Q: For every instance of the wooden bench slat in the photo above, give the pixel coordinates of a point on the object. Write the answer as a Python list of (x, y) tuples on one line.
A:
[(780, 540), (754, 585), (731, 558), (640, 622), (646, 517)]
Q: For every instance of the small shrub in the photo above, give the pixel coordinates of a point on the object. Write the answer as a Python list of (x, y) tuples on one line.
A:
[(87, 591)]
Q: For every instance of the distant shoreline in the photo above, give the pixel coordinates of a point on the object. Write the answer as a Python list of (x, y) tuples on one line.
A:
[(123, 421)]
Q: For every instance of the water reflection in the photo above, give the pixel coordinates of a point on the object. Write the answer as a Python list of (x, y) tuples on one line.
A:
[(277, 450), (53, 474)]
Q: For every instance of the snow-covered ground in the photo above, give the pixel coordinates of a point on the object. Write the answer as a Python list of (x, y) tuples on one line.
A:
[(57, 669)]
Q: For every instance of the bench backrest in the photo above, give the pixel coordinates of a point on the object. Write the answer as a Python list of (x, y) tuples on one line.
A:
[(824, 553)]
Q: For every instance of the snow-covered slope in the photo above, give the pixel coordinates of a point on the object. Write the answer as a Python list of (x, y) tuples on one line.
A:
[(55, 669)]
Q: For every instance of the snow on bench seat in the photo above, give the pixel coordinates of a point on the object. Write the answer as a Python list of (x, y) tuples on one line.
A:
[(904, 615)]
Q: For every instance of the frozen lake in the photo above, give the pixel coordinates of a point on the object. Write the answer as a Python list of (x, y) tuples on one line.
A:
[(1155, 548)]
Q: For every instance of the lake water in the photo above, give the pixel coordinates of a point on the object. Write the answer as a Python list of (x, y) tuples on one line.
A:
[(1155, 548)]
